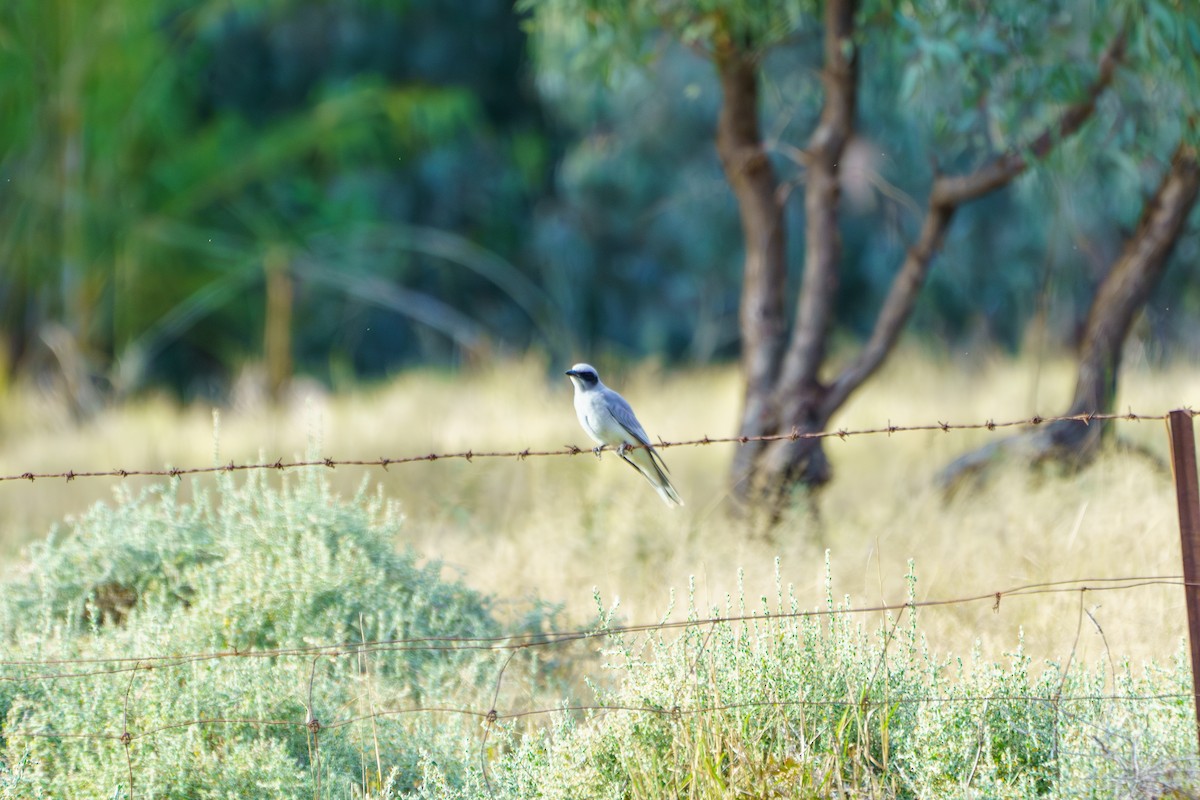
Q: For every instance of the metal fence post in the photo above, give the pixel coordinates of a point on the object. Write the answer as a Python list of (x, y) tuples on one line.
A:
[(1183, 465)]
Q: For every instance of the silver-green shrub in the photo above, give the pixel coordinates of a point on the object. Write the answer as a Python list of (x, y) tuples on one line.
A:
[(154, 580)]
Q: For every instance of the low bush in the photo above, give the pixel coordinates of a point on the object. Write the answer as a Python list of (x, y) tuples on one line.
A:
[(277, 585)]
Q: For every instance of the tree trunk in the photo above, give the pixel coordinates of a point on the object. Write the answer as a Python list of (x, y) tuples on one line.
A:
[(793, 397), (791, 394), (750, 174), (799, 394), (1119, 297)]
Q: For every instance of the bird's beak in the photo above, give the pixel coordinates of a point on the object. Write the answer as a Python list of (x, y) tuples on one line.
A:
[(570, 372)]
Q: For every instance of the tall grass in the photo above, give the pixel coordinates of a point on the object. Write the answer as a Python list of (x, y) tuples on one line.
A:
[(556, 528)]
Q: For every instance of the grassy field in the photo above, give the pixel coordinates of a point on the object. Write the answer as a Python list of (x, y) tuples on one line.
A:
[(1049, 695), (558, 528)]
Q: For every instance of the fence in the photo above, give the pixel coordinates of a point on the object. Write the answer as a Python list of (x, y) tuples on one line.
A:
[(571, 450), (32, 676)]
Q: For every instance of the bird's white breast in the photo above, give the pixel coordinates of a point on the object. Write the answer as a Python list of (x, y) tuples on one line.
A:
[(596, 420)]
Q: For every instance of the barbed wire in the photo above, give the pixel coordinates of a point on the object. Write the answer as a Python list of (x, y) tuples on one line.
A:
[(493, 715), (521, 640), (793, 435)]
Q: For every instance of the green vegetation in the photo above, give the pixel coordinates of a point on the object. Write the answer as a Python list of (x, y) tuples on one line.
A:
[(435, 194), (821, 706), (119, 602), (775, 706), (779, 704), (160, 160)]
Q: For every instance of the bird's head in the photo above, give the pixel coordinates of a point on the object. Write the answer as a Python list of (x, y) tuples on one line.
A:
[(583, 376)]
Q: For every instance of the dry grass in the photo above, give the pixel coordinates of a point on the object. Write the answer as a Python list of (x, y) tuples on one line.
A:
[(555, 528)]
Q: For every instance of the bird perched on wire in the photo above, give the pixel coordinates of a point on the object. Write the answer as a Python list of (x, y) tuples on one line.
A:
[(609, 420)]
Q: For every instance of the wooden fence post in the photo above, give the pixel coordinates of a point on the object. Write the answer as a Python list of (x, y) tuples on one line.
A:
[(1183, 465)]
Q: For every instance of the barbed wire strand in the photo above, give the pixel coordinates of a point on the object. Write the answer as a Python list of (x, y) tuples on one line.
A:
[(572, 450), (533, 639), (494, 716)]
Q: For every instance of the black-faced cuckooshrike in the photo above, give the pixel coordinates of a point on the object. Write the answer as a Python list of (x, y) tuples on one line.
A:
[(609, 420)]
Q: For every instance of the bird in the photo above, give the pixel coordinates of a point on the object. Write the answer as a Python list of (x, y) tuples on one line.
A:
[(608, 419)]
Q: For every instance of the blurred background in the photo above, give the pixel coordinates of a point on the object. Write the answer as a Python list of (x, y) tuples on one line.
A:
[(197, 194)]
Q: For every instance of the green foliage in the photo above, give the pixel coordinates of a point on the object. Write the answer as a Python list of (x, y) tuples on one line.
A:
[(153, 155), (787, 704), (989, 83), (624, 222), (1166, 53), (589, 35), (154, 578), (769, 700), (944, 85)]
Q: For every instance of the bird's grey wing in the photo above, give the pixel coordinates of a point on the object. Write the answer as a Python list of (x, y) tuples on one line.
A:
[(623, 414)]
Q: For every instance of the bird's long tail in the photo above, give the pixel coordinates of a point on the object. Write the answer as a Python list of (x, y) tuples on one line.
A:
[(667, 492), (657, 476)]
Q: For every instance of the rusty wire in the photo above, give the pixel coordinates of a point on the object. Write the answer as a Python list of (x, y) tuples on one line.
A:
[(528, 640), (493, 715), (572, 450)]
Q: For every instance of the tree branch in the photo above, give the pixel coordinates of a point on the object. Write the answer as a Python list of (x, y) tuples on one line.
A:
[(822, 242), (955, 190), (947, 194), (752, 178), (1127, 286), (1123, 292)]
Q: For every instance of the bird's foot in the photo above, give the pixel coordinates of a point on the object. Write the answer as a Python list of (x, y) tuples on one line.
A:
[(596, 450), (622, 449)]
